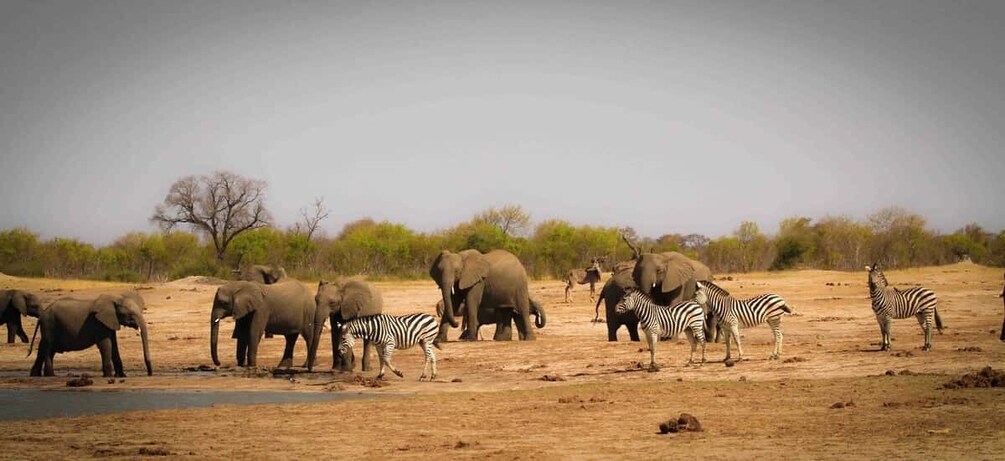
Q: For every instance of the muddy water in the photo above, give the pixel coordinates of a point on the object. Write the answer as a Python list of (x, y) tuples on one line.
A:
[(38, 404)]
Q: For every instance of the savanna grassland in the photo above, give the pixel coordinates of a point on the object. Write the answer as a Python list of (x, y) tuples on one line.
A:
[(568, 395)]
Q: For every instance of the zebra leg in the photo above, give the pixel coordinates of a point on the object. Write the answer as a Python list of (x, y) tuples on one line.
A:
[(884, 329), (427, 347), (388, 350), (652, 339), (728, 334), (382, 356), (567, 288), (926, 328), (694, 346), (776, 328), (735, 333)]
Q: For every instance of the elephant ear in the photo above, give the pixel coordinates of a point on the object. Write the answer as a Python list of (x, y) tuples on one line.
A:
[(677, 271), (359, 299), (701, 271), (20, 301), (245, 302), (104, 310), (476, 268)]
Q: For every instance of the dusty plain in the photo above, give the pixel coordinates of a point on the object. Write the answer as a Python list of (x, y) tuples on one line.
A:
[(569, 395)]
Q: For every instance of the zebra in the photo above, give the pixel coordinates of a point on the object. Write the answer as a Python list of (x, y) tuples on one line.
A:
[(390, 332), (731, 313), (665, 321), (891, 303)]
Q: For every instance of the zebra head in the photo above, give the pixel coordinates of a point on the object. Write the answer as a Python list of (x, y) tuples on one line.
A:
[(629, 302), (876, 276), (348, 341), (700, 296)]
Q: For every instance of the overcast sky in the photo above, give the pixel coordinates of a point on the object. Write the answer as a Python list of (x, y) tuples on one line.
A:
[(664, 116)]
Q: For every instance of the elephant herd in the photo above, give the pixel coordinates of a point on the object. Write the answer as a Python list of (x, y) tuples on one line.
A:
[(489, 288)]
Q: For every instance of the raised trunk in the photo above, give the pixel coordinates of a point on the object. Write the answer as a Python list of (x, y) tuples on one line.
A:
[(146, 346), (448, 305)]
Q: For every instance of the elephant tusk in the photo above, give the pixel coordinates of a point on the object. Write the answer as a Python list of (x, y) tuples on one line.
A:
[(451, 290), (654, 285), (217, 320)]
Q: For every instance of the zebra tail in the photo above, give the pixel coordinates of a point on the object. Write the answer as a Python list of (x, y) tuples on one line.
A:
[(786, 308), (436, 343), (938, 321)]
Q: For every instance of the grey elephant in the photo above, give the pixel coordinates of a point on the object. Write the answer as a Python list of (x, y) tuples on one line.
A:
[(285, 308), (590, 275), (13, 305), (266, 275), (341, 301), (483, 282), (75, 325), (670, 278), (486, 317), (613, 290)]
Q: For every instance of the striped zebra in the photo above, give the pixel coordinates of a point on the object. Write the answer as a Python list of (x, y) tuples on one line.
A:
[(891, 303), (390, 332), (665, 321), (731, 313)]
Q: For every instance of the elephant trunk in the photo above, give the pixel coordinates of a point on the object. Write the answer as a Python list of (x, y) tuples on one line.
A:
[(214, 336), (320, 315), (448, 305), (146, 346), (539, 318)]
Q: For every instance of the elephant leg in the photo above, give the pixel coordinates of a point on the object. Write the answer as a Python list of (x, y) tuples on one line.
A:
[(633, 330), (524, 324), (117, 359), (11, 329), (291, 342), (255, 333), (40, 357), (21, 333), (441, 337), (105, 348), (367, 352), (520, 327), (504, 330), (612, 329), (48, 369), (241, 334), (471, 303)]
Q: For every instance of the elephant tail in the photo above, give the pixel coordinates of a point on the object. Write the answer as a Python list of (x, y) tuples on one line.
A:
[(32, 345)]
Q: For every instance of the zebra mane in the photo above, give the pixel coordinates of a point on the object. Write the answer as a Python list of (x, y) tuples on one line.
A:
[(715, 288), (880, 277)]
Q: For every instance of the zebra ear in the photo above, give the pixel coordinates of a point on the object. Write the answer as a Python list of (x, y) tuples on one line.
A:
[(868, 268)]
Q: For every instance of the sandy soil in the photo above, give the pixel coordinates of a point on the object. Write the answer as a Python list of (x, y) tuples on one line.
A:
[(570, 394)]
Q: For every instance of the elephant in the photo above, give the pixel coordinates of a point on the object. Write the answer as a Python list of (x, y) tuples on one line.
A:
[(589, 275), (613, 290), (266, 275), (341, 301), (285, 308), (491, 281), (14, 304), (488, 316), (669, 278), (74, 325)]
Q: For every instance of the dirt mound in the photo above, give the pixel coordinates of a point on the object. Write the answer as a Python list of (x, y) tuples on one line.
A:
[(987, 377), (197, 280), (361, 380), (686, 422), (80, 381)]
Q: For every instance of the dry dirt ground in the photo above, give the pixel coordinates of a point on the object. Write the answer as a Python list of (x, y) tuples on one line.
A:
[(568, 395)]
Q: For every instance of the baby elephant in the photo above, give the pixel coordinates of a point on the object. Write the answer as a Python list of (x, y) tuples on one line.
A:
[(75, 325)]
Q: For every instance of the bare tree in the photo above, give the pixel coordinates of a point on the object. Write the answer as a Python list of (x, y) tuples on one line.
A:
[(221, 205), (511, 219), (310, 218)]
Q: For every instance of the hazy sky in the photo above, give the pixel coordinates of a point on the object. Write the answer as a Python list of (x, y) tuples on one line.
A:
[(664, 116)]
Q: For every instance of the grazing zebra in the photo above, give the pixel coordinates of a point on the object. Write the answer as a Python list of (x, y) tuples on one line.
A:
[(389, 332), (731, 313), (891, 303), (665, 321)]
